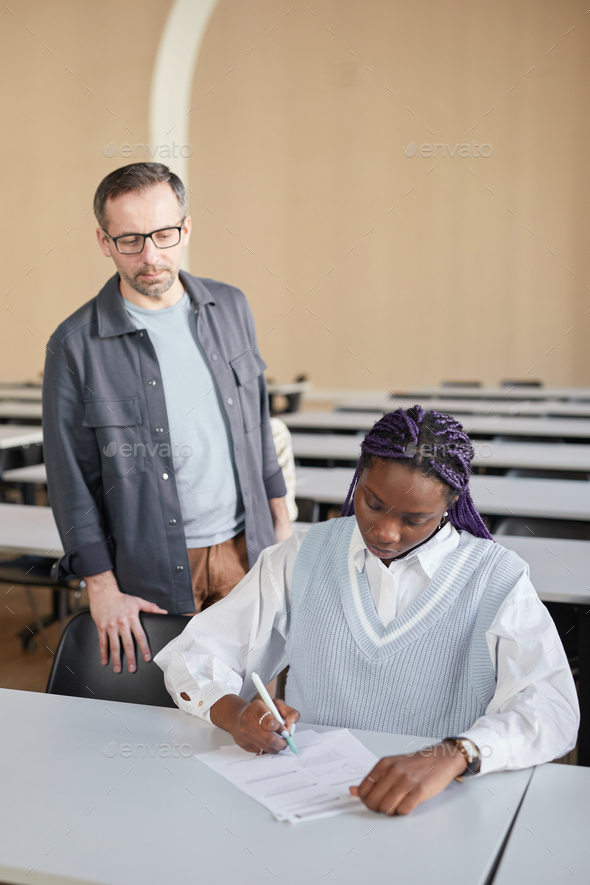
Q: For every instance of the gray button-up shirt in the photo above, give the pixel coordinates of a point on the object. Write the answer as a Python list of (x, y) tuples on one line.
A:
[(119, 509)]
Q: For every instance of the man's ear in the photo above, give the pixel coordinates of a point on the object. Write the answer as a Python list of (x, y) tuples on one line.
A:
[(103, 242), (186, 229)]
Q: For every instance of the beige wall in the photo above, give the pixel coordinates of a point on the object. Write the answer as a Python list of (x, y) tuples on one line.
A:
[(298, 151), (53, 134)]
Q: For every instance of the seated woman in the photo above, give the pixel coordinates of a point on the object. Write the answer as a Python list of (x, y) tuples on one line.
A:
[(402, 616)]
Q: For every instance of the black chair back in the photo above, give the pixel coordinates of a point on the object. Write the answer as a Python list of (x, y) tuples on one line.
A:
[(77, 670)]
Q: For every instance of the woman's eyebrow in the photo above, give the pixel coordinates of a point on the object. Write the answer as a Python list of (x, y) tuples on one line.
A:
[(375, 495)]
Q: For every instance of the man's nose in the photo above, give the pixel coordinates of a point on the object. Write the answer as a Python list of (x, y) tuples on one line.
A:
[(150, 253)]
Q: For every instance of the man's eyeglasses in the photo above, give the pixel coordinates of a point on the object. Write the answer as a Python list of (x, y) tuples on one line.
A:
[(132, 244)]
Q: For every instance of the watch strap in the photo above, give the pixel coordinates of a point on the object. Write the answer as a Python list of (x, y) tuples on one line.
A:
[(470, 753)]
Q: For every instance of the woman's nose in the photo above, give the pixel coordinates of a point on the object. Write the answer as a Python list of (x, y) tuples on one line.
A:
[(387, 531)]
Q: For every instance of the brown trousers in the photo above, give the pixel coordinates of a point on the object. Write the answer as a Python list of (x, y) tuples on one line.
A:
[(216, 570)]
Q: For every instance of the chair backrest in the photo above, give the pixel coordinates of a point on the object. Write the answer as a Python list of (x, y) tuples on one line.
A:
[(77, 670)]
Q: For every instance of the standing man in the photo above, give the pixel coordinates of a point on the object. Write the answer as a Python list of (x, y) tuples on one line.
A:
[(162, 473)]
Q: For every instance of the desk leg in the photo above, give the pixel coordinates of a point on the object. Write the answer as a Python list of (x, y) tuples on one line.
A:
[(584, 685)]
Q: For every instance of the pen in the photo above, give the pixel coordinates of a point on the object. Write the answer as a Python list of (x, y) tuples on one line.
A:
[(271, 706)]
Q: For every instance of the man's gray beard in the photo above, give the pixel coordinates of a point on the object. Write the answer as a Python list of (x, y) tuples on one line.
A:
[(150, 290)]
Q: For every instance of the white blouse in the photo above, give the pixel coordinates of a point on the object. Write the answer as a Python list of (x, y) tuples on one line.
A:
[(532, 718)]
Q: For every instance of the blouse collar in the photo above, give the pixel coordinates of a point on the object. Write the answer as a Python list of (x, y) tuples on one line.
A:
[(429, 556)]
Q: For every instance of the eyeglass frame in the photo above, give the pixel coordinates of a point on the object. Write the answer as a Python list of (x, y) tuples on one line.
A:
[(149, 236)]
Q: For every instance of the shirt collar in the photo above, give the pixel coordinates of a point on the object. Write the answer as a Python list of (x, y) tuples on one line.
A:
[(113, 318), (429, 556)]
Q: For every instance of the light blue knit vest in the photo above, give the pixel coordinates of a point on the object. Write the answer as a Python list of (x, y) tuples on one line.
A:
[(427, 673)]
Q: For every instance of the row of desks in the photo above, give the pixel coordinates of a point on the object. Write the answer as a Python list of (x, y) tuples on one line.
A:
[(488, 453), (515, 392), (560, 569), (82, 802), (476, 425), (463, 406), (33, 392), (493, 495)]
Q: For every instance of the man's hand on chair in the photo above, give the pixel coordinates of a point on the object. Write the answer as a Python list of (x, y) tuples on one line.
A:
[(116, 615)]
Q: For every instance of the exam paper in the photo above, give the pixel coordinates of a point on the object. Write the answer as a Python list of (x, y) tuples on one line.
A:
[(306, 787)]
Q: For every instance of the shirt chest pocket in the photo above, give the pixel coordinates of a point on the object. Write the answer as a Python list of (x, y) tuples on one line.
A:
[(116, 424), (247, 369)]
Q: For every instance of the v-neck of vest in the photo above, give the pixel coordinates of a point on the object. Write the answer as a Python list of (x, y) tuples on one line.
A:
[(378, 641)]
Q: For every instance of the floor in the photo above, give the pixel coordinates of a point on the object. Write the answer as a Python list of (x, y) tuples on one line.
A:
[(20, 669)]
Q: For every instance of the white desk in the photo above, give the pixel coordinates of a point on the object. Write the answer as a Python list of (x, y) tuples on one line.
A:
[(34, 473), (322, 420), (463, 406), (328, 446), (500, 393), (14, 435), (475, 425), (71, 813), (560, 569), (18, 411), (22, 394), (289, 389), (28, 530), (494, 495), (488, 453), (549, 842)]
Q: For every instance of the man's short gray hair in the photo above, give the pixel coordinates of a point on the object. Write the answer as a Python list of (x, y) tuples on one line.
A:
[(136, 177)]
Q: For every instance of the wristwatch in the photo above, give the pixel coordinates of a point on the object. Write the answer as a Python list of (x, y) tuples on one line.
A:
[(469, 751)]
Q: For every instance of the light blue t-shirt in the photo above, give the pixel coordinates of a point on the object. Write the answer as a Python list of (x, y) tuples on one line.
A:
[(200, 440)]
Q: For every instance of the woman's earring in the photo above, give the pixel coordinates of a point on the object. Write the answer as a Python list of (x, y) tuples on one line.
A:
[(444, 516)]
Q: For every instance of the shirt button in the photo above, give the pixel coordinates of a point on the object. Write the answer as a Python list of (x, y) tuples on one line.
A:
[(230, 401), (172, 522), (159, 430), (179, 568), (200, 703), (141, 334), (152, 383), (213, 356), (164, 476)]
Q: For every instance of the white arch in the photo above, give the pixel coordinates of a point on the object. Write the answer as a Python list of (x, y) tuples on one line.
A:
[(172, 79)]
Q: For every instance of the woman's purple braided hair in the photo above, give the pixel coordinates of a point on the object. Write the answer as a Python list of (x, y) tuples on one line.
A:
[(431, 442)]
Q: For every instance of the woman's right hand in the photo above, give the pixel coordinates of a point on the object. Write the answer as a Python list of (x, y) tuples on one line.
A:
[(247, 726)]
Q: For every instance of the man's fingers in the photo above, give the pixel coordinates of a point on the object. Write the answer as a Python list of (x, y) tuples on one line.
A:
[(127, 641), (146, 606), (139, 634), (103, 643), (115, 649)]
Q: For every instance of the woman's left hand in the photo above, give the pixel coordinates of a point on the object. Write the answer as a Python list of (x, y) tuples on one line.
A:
[(397, 784)]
